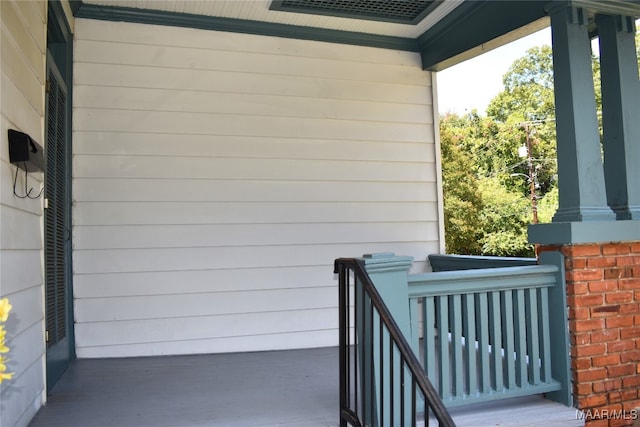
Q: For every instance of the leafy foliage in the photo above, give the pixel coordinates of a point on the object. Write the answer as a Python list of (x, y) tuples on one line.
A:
[(505, 217), (462, 200), (486, 181)]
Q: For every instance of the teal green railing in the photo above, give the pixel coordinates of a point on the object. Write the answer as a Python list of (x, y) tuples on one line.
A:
[(494, 333), (447, 262)]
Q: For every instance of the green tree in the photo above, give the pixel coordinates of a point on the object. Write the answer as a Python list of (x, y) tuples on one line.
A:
[(638, 47), (525, 111), (504, 217), (462, 200), (548, 205)]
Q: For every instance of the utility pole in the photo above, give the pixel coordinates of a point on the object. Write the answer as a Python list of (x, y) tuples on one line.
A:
[(532, 177)]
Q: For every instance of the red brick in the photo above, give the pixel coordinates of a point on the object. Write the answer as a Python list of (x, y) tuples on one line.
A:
[(582, 250), (618, 346), (583, 389), (587, 324), (590, 375), (630, 308), (630, 356), (580, 364), (630, 284), (629, 382), (624, 261), (618, 297), (588, 350), (608, 360), (577, 288), (620, 422), (585, 275), (619, 321), (631, 405), (596, 423), (617, 272), (629, 394), (627, 333), (635, 247), (579, 313), (585, 300), (593, 401), (601, 262), (603, 286), (605, 335), (580, 338), (620, 370), (579, 263), (616, 249), (614, 396), (605, 310), (607, 385)]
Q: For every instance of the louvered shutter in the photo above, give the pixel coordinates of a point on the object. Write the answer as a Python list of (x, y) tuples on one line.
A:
[(55, 214)]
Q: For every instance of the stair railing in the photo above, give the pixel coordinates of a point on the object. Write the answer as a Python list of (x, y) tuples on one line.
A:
[(382, 383)]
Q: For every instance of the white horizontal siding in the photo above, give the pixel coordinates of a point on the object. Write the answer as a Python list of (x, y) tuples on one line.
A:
[(193, 190), (217, 176), (296, 212), (22, 76), (230, 235), (234, 146), (259, 256)]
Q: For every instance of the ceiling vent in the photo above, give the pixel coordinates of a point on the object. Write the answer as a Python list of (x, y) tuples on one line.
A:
[(399, 12)]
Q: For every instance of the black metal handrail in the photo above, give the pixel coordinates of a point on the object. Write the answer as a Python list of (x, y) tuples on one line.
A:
[(369, 394)]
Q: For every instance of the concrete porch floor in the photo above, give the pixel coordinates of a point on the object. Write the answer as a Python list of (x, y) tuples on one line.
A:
[(278, 388)]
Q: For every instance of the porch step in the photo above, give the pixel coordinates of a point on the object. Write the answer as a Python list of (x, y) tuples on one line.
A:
[(527, 411)]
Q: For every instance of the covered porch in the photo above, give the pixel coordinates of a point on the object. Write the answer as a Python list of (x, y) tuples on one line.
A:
[(212, 164), (277, 388)]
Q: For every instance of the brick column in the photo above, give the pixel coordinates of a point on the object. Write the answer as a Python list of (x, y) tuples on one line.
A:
[(603, 296)]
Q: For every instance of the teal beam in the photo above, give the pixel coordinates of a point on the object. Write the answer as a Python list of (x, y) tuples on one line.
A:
[(580, 170), (620, 113)]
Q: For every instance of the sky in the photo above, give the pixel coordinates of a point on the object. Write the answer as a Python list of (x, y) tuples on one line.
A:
[(473, 83)]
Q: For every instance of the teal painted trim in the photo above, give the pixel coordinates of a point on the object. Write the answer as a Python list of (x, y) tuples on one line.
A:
[(482, 280), (499, 395), (582, 195), (173, 19), (443, 262), (386, 262), (620, 112), (466, 27), (75, 6), (58, 27), (559, 330), (563, 233), (60, 46)]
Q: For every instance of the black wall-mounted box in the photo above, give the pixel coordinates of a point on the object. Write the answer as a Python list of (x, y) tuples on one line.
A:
[(24, 152)]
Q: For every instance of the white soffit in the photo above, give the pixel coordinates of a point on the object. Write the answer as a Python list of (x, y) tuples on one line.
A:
[(258, 10)]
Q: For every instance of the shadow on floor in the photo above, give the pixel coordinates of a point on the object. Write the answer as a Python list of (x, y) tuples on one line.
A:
[(278, 388)]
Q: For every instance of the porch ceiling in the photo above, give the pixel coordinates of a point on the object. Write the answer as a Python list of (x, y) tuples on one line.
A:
[(444, 32)]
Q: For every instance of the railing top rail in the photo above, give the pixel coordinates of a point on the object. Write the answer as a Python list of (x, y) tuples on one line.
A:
[(412, 363), (482, 257), (481, 280)]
